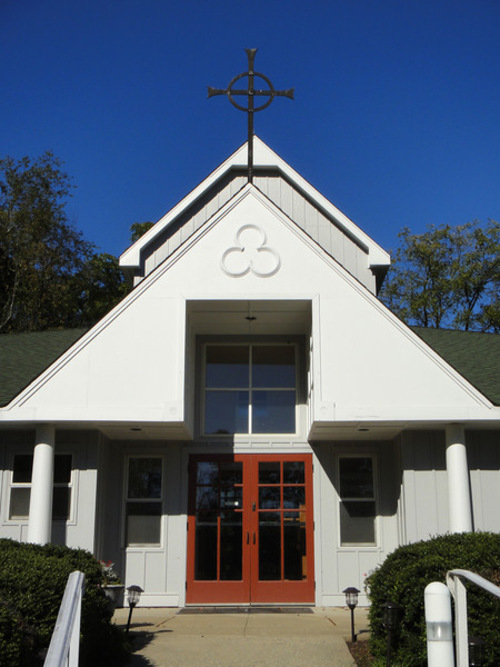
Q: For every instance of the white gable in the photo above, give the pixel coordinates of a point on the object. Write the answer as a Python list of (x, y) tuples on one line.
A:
[(322, 221), (136, 365)]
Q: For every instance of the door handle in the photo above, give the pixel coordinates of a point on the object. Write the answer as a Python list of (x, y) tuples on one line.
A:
[(254, 538), (248, 537)]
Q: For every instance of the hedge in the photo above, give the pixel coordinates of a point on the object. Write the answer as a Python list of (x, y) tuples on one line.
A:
[(32, 583), (405, 573)]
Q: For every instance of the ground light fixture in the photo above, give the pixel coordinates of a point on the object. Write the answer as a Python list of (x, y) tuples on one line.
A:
[(134, 593), (393, 614), (351, 600)]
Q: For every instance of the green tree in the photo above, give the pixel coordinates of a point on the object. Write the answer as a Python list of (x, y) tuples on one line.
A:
[(137, 229), (99, 286), (447, 277), (40, 252)]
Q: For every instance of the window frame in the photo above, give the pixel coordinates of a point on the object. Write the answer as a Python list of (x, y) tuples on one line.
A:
[(159, 501), (372, 499), (71, 486), (296, 342)]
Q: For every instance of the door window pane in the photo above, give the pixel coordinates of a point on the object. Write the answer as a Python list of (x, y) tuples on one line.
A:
[(269, 472), (293, 472), (294, 497), (207, 497), (207, 472), (231, 546), (231, 472), (206, 546), (269, 497), (269, 546), (294, 534)]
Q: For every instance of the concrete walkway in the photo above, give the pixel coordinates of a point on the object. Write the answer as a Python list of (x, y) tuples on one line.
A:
[(303, 638)]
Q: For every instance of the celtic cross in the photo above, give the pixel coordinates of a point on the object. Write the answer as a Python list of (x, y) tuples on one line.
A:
[(251, 93)]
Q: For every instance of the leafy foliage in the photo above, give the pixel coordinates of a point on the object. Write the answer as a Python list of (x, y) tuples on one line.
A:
[(138, 229), (39, 250), (32, 583), (447, 277), (405, 573), (99, 287), (50, 276)]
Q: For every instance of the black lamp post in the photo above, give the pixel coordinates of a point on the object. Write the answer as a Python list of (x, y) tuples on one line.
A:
[(134, 593), (393, 614), (476, 651), (351, 600)]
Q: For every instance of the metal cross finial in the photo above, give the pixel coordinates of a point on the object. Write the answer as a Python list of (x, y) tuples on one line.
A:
[(251, 93)]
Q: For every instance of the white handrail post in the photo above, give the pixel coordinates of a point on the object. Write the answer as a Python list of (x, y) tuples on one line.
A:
[(74, 645), (64, 648), (459, 593), (437, 603)]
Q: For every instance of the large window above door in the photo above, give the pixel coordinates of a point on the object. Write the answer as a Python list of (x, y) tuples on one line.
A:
[(249, 388)]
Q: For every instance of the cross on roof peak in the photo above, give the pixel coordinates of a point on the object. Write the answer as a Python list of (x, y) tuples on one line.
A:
[(251, 93)]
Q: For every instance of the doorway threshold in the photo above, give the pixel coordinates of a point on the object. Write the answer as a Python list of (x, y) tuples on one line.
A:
[(257, 609)]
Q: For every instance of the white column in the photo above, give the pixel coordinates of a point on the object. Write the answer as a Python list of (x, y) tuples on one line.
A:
[(42, 479), (459, 499)]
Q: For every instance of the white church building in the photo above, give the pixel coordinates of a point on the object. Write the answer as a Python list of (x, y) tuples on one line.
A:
[(250, 425)]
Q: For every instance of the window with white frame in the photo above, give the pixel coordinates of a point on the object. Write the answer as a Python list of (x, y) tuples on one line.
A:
[(144, 501), (357, 500), (20, 488), (250, 388)]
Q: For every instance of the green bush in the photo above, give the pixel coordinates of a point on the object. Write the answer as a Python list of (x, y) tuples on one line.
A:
[(32, 583), (405, 573)]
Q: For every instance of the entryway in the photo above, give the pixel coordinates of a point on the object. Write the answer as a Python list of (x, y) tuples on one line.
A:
[(250, 529)]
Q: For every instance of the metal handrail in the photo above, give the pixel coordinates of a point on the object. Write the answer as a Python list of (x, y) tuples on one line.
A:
[(64, 648), (459, 593)]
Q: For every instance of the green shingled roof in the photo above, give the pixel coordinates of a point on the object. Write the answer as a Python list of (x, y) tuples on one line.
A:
[(24, 356), (474, 355)]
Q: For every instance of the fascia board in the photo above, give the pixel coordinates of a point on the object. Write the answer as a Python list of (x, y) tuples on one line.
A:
[(377, 256), (263, 157), (132, 256)]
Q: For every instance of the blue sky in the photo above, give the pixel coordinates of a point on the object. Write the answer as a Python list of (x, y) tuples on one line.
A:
[(395, 118)]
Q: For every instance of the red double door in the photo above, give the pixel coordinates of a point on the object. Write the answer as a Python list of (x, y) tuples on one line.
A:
[(250, 529)]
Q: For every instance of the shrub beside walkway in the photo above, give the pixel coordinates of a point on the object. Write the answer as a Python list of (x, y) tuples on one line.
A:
[(315, 638)]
